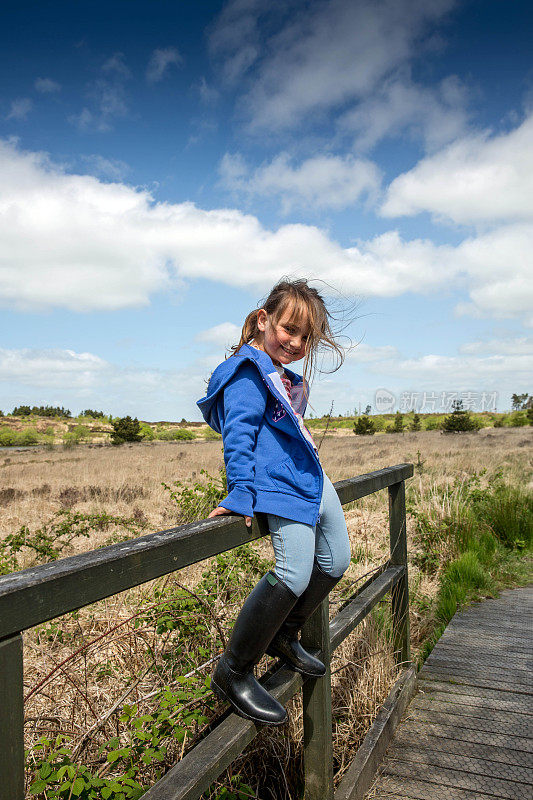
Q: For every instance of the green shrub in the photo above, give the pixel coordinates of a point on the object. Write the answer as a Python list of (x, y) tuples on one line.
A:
[(196, 501), (518, 419), (147, 432), (126, 429), (364, 426), (175, 434), (433, 424), (7, 437), (416, 424), (460, 420)]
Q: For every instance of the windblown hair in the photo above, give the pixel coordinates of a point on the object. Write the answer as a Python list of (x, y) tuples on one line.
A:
[(306, 305)]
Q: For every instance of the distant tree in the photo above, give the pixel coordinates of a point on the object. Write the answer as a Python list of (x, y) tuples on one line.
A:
[(460, 419), (519, 401), (21, 411), (397, 425), (126, 429), (364, 426), (416, 424), (368, 409), (94, 414)]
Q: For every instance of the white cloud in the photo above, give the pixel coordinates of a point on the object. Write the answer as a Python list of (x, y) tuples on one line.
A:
[(365, 354), (81, 380), (72, 241), (51, 368), (460, 372), (20, 108), (111, 168), (520, 345), (478, 179), (223, 335), (47, 86), (107, 97), (160, 60), (437, 115), (321, 182), (324, 54)]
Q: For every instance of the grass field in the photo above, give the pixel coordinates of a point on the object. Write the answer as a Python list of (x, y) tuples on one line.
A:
[(144, 639)]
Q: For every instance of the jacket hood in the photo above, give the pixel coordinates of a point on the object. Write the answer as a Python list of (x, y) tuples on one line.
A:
[(225, 371)]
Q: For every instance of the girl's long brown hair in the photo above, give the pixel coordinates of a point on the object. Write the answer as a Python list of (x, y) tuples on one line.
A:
[(307, 306)]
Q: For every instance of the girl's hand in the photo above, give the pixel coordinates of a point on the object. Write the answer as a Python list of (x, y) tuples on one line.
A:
[(220, 510)]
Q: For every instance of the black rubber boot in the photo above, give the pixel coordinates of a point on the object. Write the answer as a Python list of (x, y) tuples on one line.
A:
[(233, 680), (285, 644)]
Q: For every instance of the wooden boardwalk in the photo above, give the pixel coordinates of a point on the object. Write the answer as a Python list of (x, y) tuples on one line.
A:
[(467, 734)]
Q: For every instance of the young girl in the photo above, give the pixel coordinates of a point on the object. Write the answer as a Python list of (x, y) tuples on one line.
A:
[(272, 466)]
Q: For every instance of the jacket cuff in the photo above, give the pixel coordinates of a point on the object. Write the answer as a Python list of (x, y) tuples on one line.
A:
[(240, 501)]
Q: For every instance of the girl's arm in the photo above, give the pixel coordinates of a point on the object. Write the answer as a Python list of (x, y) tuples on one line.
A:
[(245, 399)]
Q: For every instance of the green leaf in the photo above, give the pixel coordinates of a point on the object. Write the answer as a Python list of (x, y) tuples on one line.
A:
[(37, 787), (78, 786)]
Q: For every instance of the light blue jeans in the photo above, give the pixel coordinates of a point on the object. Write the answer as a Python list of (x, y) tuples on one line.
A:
[(296, 545)]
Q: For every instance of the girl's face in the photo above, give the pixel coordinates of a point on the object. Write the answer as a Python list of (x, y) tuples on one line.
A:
[(284, 341)]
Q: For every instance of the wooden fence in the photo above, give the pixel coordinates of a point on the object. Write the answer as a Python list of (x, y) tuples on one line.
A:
[(36, 595)]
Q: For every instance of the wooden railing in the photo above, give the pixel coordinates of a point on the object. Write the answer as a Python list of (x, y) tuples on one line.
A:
[(35, 595)]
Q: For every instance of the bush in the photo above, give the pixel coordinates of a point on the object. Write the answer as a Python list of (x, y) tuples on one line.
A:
[(7, 437), (529, 415), (416, 425), (147, 432), (460, 420), (364, 426), (517, 420), (433, 424), (397, 425), (126, 429), (176, 434)]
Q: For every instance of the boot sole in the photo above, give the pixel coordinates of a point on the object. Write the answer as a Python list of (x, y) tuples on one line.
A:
[(291, 665), (223, 696)]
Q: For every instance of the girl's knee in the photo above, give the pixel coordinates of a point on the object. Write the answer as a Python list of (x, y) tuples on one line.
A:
[(297, 582), (338, 564)]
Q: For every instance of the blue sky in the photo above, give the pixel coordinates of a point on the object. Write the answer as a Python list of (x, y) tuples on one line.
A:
[(163, 164)]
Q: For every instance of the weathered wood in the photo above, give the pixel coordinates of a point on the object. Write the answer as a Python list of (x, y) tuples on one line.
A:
[(460, 740), (353, 613), (398, 557), (318, 745), (35, 595), (363, 768), (11, 719), (38, 594), (356, 488)]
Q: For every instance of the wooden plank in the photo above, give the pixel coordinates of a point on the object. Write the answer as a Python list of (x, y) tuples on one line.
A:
[(38, 594), (35, 595), (356, 488), (352, 614), (398, 557), (363, 768), (318, 744), (11, 719)]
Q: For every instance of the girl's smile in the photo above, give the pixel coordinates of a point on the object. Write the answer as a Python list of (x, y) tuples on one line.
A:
[(284, 341)]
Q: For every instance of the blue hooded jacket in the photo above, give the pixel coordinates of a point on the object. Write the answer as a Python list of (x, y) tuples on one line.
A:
[(270, 466)]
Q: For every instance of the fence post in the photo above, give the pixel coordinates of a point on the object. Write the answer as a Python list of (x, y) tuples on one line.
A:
[(318, 746), (11, 719), (398, 557)]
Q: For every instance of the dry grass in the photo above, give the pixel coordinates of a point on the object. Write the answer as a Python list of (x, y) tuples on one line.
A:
[(126, 481)]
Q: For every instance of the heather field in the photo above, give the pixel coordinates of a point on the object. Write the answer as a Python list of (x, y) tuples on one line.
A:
[(124, 683)]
